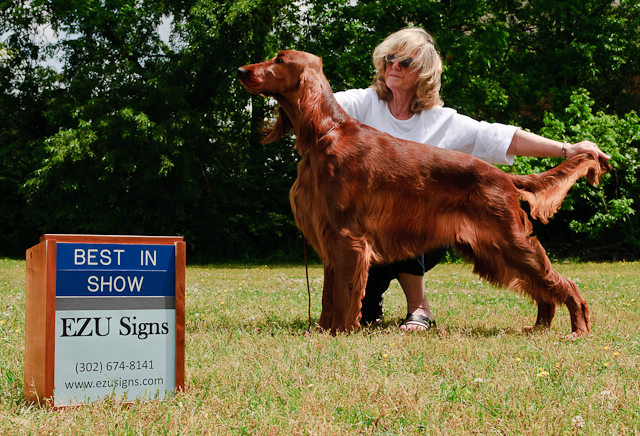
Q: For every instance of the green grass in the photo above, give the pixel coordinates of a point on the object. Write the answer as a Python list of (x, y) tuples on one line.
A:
[(253, 368)]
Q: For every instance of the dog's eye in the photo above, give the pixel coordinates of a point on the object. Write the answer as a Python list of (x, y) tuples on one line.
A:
[(279, 61)]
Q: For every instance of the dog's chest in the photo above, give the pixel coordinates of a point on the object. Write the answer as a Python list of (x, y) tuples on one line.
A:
[(314, 195)]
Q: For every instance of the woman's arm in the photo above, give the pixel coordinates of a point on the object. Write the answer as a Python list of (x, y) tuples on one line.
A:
[(529, 144)]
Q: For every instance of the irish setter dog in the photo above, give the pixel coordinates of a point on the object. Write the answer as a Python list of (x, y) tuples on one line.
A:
[(363, 197)]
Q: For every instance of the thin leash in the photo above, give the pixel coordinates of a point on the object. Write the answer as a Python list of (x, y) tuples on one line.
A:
[(306, 270)]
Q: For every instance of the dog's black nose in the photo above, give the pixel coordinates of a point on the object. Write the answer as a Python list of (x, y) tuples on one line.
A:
[(242, 72)]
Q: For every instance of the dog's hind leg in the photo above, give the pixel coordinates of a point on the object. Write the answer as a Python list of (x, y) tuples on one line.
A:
[(546, 312), (539, 279), (579, 312), (518, 261)]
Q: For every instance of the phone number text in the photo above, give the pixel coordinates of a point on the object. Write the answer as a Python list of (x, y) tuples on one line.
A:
[(115, 365)]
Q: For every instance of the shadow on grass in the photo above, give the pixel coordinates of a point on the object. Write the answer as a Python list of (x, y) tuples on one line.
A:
[(271, 326), (447, 329), (300, 326), (481, 331)]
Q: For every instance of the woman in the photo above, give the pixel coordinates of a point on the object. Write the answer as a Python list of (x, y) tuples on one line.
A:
[(404, 101)]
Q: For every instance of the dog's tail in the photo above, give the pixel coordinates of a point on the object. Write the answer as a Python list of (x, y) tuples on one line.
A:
[(545, 191)]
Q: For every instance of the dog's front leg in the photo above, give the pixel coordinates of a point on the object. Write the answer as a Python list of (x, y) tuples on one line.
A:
[(326, 317), (346, 275)]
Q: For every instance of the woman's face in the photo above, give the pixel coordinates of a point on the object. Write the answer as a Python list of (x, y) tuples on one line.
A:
[(399, 78)]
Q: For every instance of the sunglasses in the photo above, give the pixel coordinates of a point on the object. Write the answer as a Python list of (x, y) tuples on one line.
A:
[(403, 63)]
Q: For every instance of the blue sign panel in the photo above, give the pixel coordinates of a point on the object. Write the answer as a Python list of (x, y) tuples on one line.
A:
[(105, 270)]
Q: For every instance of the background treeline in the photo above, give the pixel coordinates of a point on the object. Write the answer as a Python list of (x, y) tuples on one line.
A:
[(131, 133)]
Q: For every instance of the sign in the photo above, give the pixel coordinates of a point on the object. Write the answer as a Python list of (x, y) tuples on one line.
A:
[(118, 318)]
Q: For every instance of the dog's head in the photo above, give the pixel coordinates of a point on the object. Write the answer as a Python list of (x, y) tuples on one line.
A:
[(279, 76), (295, 80)]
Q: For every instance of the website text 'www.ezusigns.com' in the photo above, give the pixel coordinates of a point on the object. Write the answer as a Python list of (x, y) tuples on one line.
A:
[(122, 383)]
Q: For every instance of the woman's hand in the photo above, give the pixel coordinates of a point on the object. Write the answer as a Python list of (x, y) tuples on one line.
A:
[(585, 147)]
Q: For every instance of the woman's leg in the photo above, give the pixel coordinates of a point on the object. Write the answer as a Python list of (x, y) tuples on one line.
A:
[(411, 278), (410, 274), (414, 292), (377, 283)]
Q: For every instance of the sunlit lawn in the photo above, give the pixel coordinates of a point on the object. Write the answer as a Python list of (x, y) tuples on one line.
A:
[(254, 368)]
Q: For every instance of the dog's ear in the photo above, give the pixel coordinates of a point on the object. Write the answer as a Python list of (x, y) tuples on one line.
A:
[(311, 99), (278, 129), (310, 90)]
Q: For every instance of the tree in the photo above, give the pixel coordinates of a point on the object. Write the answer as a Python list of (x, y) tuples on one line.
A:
[(25, 87), (136, 134)]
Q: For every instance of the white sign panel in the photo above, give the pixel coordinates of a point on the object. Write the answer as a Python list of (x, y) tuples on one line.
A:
[(121, 353)]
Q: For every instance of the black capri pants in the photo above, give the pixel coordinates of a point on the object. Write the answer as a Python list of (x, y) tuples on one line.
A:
[(380, 277)]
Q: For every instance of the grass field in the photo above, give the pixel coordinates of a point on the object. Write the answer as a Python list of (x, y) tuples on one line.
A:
[(253, 368)]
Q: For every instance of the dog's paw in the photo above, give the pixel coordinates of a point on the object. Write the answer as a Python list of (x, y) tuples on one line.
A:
[(576, 335)]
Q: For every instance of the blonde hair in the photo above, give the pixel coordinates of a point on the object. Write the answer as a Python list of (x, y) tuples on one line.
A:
[(417, 44)]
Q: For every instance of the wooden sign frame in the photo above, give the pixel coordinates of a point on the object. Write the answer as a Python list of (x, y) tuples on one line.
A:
[(40, 307)]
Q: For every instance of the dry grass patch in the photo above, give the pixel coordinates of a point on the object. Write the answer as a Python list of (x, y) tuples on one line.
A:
[(253, 368)]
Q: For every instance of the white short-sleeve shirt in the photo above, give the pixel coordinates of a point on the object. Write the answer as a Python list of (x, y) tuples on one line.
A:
[(441, 126)]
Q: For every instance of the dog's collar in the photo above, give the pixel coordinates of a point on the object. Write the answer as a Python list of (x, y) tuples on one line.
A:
[(328, 131), (321, 136)]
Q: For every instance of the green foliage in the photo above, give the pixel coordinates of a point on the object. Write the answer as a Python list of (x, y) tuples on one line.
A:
[(134, 133), (594, 215), (601, 220)]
